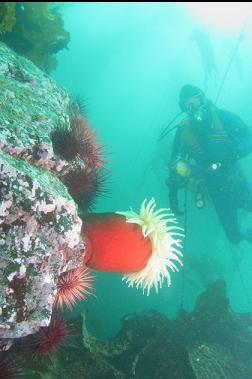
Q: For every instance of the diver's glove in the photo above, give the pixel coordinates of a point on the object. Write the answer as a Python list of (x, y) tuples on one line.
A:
[(246, 233), (173, 197), (176, 211)]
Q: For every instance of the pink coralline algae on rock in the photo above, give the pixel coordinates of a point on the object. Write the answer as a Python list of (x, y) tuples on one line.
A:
[(39, 240), (39, 223)]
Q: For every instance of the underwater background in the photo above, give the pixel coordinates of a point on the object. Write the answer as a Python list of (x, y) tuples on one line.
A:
[(107, 77), (129, 61)]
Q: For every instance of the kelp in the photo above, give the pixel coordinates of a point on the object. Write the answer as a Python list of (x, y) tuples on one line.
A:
[(34, 30), (203, 41), (7, 17)]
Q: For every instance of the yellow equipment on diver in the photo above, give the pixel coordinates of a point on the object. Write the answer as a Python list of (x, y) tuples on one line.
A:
[(183, 168)]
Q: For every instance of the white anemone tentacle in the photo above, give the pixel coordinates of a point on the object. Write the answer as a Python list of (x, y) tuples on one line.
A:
[(166, 247)]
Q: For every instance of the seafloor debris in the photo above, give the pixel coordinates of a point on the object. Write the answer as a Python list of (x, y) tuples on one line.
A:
[(212, 342)]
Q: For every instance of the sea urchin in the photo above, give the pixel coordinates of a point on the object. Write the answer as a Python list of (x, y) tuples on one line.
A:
[(73, 285), (48, 338), (7, 370)]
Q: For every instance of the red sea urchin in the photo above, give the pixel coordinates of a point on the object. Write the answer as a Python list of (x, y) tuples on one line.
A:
[(73, 285), (79, 104), (85, 174), (48, 338), (7, 371), (90, 149), (84, 186), (65, 144), (78, 141)]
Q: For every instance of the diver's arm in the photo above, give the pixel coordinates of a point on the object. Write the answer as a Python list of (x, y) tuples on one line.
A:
[(173, 182), (244, 137), (239, 132), (177, 149)]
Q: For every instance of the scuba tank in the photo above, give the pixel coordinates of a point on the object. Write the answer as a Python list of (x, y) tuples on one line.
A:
[(199, 200)]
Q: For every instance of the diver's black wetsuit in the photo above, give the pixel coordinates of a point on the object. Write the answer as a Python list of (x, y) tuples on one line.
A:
[(215, 150)]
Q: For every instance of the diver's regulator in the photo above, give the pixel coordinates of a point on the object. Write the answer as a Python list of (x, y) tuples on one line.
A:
[(198, 115)]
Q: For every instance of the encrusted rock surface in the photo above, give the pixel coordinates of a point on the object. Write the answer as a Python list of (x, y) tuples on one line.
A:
[(39, 225)]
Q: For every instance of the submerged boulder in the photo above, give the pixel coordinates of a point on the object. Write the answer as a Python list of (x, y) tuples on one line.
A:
[(39, 240), (39, 223)]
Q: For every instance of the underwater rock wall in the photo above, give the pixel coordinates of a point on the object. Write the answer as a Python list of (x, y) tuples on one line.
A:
[(39, 225)]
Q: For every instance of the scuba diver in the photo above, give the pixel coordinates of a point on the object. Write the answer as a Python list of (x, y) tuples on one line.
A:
[(207, 147)]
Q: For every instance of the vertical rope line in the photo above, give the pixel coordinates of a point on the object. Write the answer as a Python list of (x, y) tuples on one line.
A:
[(185, 242)]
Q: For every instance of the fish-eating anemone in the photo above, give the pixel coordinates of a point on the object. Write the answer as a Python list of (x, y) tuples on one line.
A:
[(145, 247)]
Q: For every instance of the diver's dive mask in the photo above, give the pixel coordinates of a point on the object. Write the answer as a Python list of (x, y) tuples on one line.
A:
[(195, 107), (197, 110)]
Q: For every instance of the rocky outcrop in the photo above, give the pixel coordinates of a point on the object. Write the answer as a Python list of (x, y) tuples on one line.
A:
[(39, 224)]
